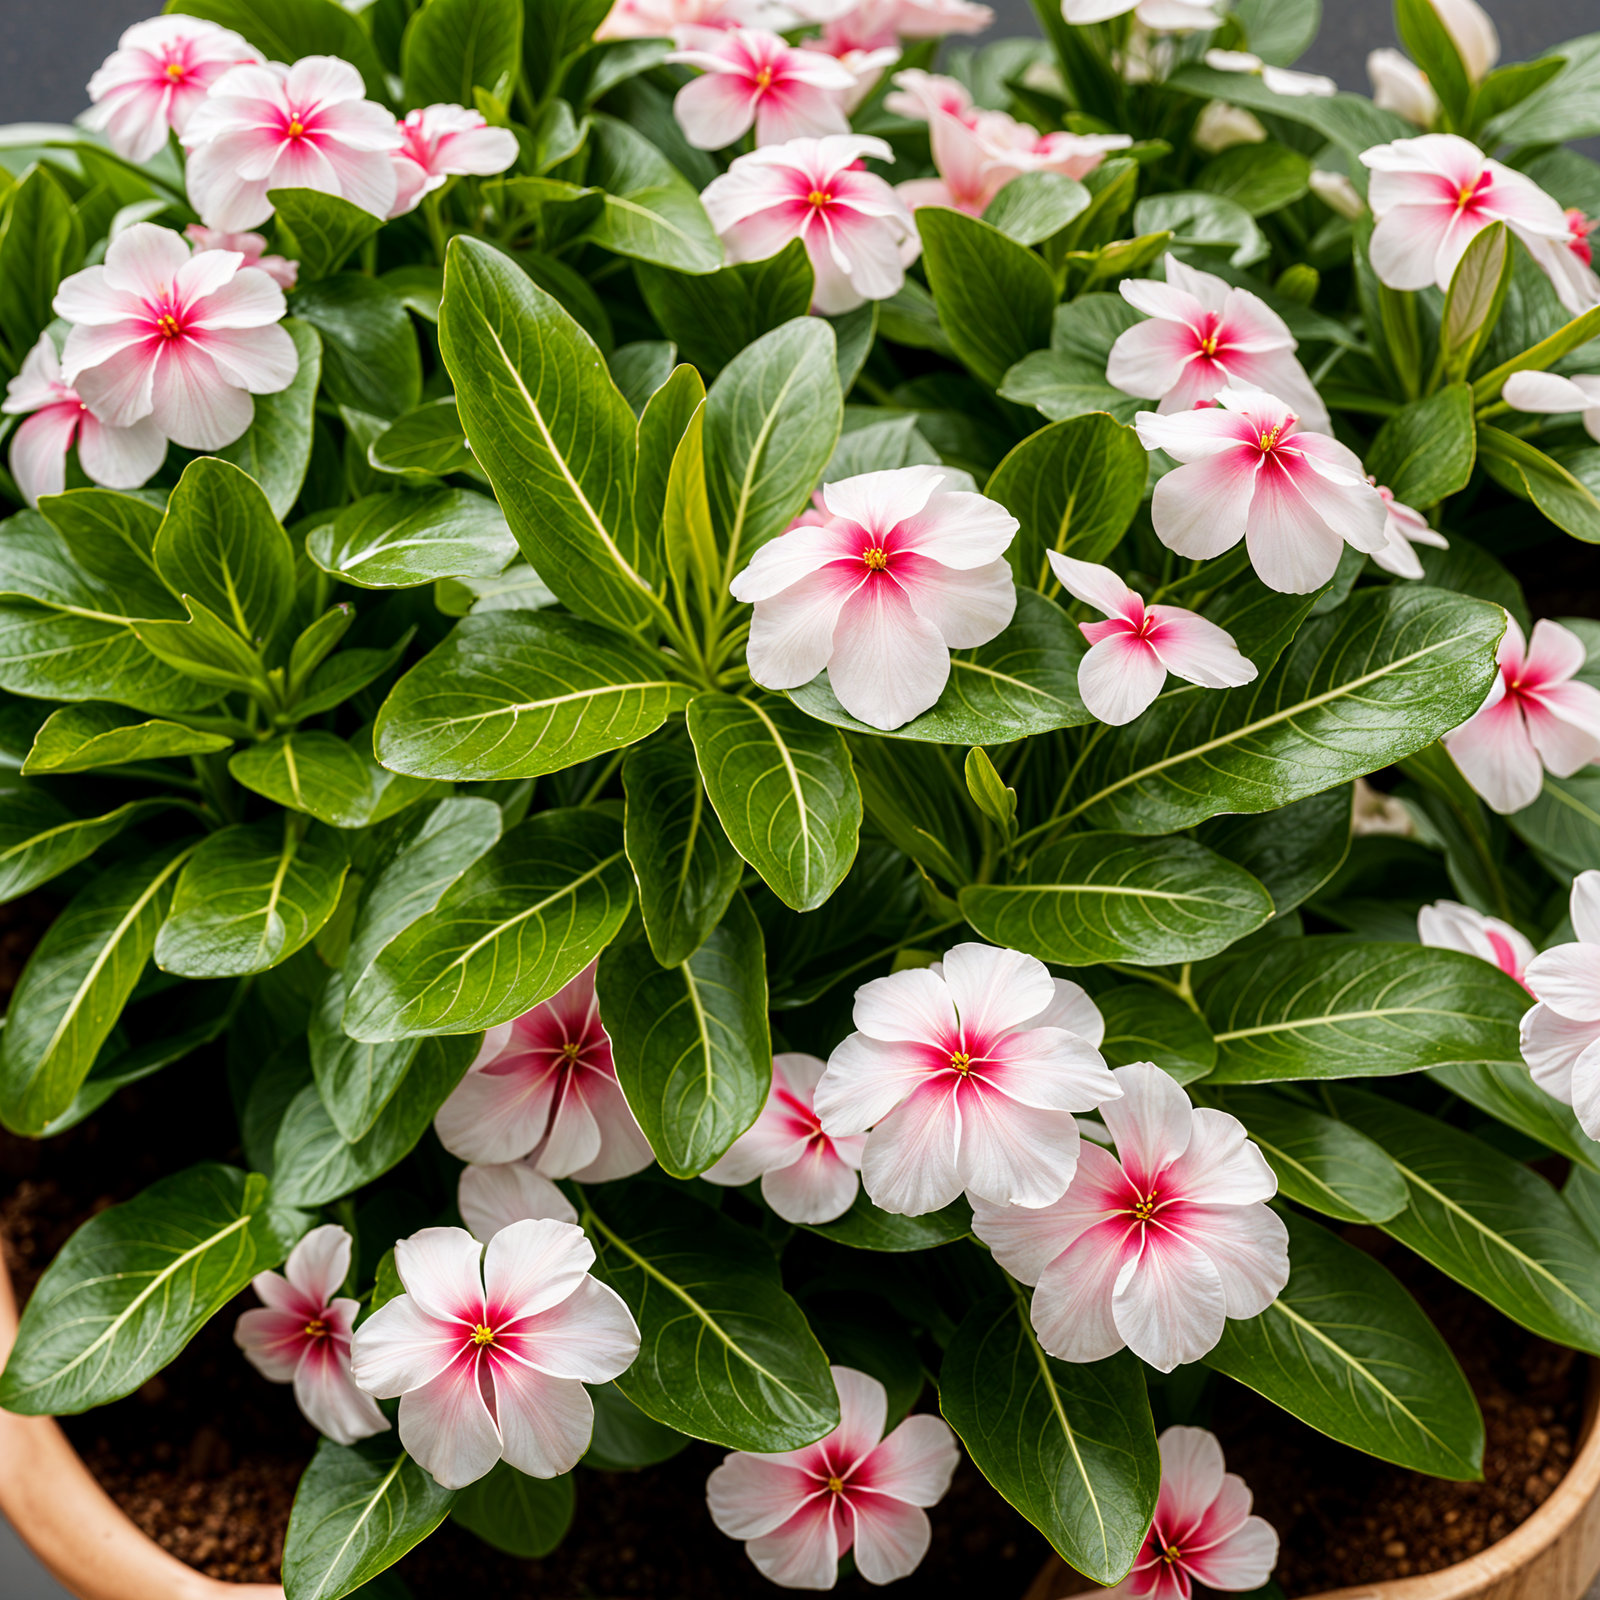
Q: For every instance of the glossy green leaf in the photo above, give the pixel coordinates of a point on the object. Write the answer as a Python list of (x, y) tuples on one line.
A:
[(867, 1227), (525, 1517), (1202, 222), (425, 442), (40, 838), (665, 419), (397, 541), (522, 920), (555, 29), (1347, 1350), (1529, 473), (1144, 1023), (1292, 851), (42, 241), (135, 1284), (110, 539), (337, 781), (1506, 1090), (651, 211), (354, 1081), (82, 737), (726, 1355), (1563, 824), (369, 348), (1260, 177), (206, 649), (1425, 451), (455, 46), (320, 231), (1476, 296), (1035, 206), (625, 1439), (1430, 44)]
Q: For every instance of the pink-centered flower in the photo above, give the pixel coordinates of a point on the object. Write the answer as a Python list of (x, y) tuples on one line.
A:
[(854, 1491), (1203, 335), (864, 63), (1249, 472), (1552, 394), (1156, 1246), (1131, 653), (156, 79), (856, 230), (252, 246), (301, 1335), (1203, 1531), (544, 1086), (752, 78), (492, 1197), (301, 127), (1402, 528), (1449, 925), (178, 337), (805, 1176), (490, 1358), (968, 1078), (115, 458), (1535, 719), (1400, 87), (660, 19), (1579, 227), (899, 575), (443, 142), (1561, 1035)]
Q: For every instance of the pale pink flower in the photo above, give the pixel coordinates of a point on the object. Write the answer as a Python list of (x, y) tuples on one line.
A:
[(301, 127), (1203, 1531), (920, 96), (864, 63), (544, 1086), (442, 142), (1402, 528), (799, 1511), (1400, 87), (184, 339), (872, 24), (301, 1335), (1535, 719), (900, 574), (1449, 925), (1579, 227), (659, 19), (492, 1197), (156, 79), (115, 458), (1249, 472), (752, 78), (1201, 336), (805, 1176), (490, 1359), (1155, 1247), (968, 1080), (1158, 16), (1561, 1035), (1280, 80), (1131, 654), (251, 246), (858, 234), (1549, 392), (1432, 196), (1220, 127)]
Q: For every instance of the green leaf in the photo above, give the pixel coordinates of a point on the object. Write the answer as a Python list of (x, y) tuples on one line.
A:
[(426, 442), (1069, 379), (625, 1439), (783, 788), (1532, 475), (525, 1517), (995, 296), (1428, 43), (1347, 1350), (1202, 221), (1292, 851), (42, 241), (455, 46), (1536, 358), (311, 1162), (664, 420), (713, 316), (135, 1284), (639, 369), (1563, 824), (321, 231), (1385, 674), (398, 541), (1094, 897), (1033, 207), (1564, 108), (691, 1044), (1074, 487), (1327, 1008), (512, 694), (110, 538), (1073, 1448), (1472, 307), (555, 30), (354, 1081), (336, 781), (1508, 1093), (726, 1355), (40, 838), (1425, 451), (522, 920), (206, 649), (290, 29), (686, 869), (651, 211), (250, 897), (1279, 31), (369, 349), (1025, 680), (1319, 1162), (1510, 85), (76, 983), (276, 448), (358, 1509), (1148, 1024), (865, 1227), (549, 427), (220, 544), (1487, 1221), (1262, 178), (772, 420)]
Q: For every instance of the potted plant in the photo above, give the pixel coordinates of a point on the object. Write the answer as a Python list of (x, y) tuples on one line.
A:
[(730, 686)]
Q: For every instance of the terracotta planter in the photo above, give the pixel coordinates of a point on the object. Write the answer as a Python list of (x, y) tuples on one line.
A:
[(1554, 1555), (74, 1526)]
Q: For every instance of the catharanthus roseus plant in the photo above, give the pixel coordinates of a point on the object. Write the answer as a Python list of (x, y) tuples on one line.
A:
[(707, 652)]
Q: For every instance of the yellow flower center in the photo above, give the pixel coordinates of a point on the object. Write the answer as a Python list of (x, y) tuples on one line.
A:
[(168, 325), (1169, 1552), (764, 78), (962, 1062), (483, 1334), (1208, 345), (1270, 437), (875, 559), (571, 1050), (820, 197), (1145, 1208), (174, 69), (315, 1329), (295, 128), (835, 1485)]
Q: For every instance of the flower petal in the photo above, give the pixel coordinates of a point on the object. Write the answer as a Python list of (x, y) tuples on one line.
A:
[(490, 1198), (446, 1427), (1071, 1311), (590, 1335), (915, 1463), (1152, 1123), (1169, 1305), (441, 1271), (909, 1165), (329, 1398), (995, 990), (1120, 676), (891, 1537), (750, 1495), (532, 1266)]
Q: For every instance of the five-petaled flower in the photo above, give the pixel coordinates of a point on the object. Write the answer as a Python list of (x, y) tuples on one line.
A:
[(1535, 719), (1550, 393), (1155, 1247), (899, 574), (854, 1491), (438, 143), (544, 1086), (1295, 497), (490, 1359), (968, 1078), (1203, 1531), (1402, 528), (182, 338), (1131, 653), (1561, 1035), (1449, 925), (301, 1335), (750, 77), (806, 1177), (856, 230)]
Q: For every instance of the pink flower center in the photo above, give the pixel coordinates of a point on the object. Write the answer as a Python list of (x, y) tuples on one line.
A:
[(835, 1485), (1469, 194), (876, 558), (316, 1328), (961, 1061), (176, 70), (295, 129), (1171, 1554), (1579, 227), (764, 79), (1146, 1206), (820, 199), (1271, 439), (483, 1334), (168, 325)]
